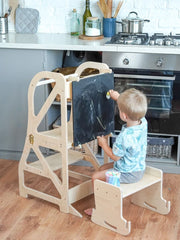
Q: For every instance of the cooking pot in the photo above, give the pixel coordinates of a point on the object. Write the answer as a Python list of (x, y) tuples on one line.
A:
[(132, 23)]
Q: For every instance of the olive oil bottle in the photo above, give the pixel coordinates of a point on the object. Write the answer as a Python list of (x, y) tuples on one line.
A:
[(86, 14)]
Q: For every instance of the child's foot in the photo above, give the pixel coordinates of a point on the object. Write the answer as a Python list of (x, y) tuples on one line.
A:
[(88, 211)]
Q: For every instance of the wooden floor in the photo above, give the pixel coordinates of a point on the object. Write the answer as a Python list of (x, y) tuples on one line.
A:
[(34, 219)]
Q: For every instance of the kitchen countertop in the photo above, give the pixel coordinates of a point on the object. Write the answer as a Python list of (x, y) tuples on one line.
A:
[(66, 42)]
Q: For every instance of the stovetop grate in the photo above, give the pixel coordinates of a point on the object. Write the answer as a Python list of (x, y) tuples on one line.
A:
[(163, 36), (133, 39), (145, 39)]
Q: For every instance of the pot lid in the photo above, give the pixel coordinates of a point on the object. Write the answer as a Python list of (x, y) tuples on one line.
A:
[(133, 16)]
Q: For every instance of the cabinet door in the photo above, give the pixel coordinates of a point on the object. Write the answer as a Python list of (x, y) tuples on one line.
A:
[(17, 68)]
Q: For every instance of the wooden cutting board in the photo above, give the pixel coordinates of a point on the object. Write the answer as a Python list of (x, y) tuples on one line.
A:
[(84, 37)]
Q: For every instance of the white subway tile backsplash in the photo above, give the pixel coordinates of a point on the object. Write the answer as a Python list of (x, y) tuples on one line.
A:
[(142, 4), (164, 15), (173, 4)]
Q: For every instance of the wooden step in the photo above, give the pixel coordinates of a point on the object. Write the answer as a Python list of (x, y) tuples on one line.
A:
[(55, 161)]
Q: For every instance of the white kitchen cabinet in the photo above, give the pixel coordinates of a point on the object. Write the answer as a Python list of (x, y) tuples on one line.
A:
[(17, 68)]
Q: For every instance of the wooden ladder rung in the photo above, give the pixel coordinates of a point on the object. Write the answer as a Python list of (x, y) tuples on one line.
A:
[(55, 161)]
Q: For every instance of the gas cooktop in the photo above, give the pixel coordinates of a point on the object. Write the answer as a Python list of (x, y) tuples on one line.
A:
[(144, 39), (165, 40)]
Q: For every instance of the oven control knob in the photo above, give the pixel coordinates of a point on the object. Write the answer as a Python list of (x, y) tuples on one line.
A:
[(167, 42), (176, 43), (126, 61), (152, 42), (159, 42), (159, 63)]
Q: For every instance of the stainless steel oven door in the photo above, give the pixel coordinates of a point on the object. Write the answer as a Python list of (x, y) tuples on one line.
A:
[(159, 92), (158, 89)]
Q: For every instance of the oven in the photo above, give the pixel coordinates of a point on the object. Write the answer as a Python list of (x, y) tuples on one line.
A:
[(158, 76)]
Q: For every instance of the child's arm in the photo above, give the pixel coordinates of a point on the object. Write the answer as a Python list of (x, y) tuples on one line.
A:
[(108, 150)]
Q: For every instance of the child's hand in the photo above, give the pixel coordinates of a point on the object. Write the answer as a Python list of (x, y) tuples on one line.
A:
[(101, 141), (114, 94)]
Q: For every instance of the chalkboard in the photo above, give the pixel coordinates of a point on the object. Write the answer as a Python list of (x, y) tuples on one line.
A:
[(93, 113)]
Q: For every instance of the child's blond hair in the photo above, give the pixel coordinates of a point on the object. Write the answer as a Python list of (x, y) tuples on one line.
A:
[(133, 103)]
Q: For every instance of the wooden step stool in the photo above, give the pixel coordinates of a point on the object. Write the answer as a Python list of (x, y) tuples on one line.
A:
[(146, 193)]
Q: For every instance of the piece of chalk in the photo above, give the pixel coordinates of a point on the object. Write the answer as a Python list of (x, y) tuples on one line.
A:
[(108, 95)]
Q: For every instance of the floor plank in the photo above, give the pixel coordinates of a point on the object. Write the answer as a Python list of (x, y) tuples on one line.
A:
[(32, 218)]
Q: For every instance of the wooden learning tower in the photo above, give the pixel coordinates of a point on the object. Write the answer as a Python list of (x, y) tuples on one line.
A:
[(108, 210), (59, 139)]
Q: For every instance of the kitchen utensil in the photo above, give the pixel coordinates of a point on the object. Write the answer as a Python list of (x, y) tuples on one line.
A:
[(101, 8), (118, 8), (109, 8), (8, 13), (2, 8), (133, 24), (3, 25), (104, 7)]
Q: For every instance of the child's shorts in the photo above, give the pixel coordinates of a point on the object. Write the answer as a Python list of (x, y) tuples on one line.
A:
[(130, 177)]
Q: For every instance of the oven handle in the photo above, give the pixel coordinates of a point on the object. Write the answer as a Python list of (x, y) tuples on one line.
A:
[(144, 77)]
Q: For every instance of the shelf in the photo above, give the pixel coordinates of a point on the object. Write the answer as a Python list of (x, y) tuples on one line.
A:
[(161, 160), (55, 134)]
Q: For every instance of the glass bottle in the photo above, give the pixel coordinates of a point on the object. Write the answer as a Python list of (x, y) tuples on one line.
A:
[(75, 23), (87, 14)]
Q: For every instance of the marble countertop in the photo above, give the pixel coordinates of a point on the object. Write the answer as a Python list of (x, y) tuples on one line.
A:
[(67, 42)]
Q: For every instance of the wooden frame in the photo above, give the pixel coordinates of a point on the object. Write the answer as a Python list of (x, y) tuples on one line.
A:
[(59, 139), (146, 193)]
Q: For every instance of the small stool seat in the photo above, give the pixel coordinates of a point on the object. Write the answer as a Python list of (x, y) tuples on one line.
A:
[(146, 193)]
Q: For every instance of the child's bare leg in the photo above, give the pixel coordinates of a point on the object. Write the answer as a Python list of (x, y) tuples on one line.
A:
[(101, 175)]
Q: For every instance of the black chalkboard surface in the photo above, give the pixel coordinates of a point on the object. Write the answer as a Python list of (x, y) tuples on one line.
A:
[(93, 113)]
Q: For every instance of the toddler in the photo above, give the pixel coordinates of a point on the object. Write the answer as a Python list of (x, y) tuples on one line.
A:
[(129, 150)]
